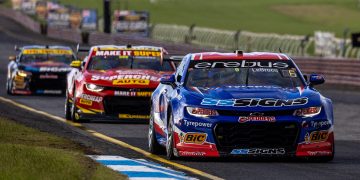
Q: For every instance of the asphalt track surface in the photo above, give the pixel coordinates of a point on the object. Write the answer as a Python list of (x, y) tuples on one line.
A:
[(345, 165)]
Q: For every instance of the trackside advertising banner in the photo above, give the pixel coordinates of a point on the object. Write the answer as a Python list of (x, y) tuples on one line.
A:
[(89, 20), (42, 9), (16, 4), (131, 22), (58, 18), (75, 18)]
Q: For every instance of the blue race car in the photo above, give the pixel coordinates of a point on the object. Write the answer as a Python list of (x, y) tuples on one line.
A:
[(241, 104)]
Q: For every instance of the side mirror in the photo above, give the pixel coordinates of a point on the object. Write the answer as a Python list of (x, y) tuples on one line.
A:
[(306, 77), (168, 79), (76, 64), (12, 58), (316, 79)]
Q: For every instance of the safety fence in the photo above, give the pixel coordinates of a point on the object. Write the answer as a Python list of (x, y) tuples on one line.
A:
[(231, 40), (336, 71), (294, 45)]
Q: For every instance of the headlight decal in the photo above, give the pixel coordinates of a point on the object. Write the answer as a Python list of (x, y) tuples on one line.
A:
[(201, 112), (94, 88), (308, 112)]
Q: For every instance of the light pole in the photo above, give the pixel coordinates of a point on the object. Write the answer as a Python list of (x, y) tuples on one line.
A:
[(107, 16)]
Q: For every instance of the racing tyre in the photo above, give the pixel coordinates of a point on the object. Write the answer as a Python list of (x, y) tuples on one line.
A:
[(68, 106), (8, 87), (74, 115), (154, 146), (170, 140)]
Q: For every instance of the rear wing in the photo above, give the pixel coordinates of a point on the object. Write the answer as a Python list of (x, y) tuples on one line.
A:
[(82, 49), (173, 58), (17, 48)]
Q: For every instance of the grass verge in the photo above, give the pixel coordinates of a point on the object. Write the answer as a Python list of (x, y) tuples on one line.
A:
[(26, 153)]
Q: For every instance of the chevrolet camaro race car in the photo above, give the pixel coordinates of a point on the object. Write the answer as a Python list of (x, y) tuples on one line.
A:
[(39, 70), (242, 105), (115, 83)]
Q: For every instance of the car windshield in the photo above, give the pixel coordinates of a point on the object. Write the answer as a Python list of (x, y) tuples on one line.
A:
[(210, 74), (46, 58), (128, 62)]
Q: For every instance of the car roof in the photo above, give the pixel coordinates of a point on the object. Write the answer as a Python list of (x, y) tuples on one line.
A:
[(239, 55), (46, 47)]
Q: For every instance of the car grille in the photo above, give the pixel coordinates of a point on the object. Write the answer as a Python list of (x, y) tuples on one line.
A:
[(48, 84), (247, 113), (127, 105), (256, 135)]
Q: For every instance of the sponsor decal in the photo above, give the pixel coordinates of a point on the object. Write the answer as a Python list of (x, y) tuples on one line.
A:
[(55, 69), (131, 82), (188, 153), (48, 51), (147, 53), (256, 117), (240, 64), (316, 136), (133, 116), (259, 151), (112, 53), (319, 153), (197, 124), (194, 138), (124, 76), (262, 70), (48, 91), (132, 93), (91, 98), (48, 76), (252, 102), (21, 92), (19, 79), (86, 102), (320, 124), (128, 53)]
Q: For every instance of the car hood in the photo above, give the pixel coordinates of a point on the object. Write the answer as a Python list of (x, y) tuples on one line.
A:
[(126, 78), (253, 97), (47, 66)]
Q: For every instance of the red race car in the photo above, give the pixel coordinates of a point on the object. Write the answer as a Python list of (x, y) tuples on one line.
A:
[(115, 82)]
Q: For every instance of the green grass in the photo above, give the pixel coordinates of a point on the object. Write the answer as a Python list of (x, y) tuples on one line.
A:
[(26, 153), (279, 16)]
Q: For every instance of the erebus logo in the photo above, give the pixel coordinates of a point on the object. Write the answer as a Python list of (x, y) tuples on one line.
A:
[(241, 64)]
